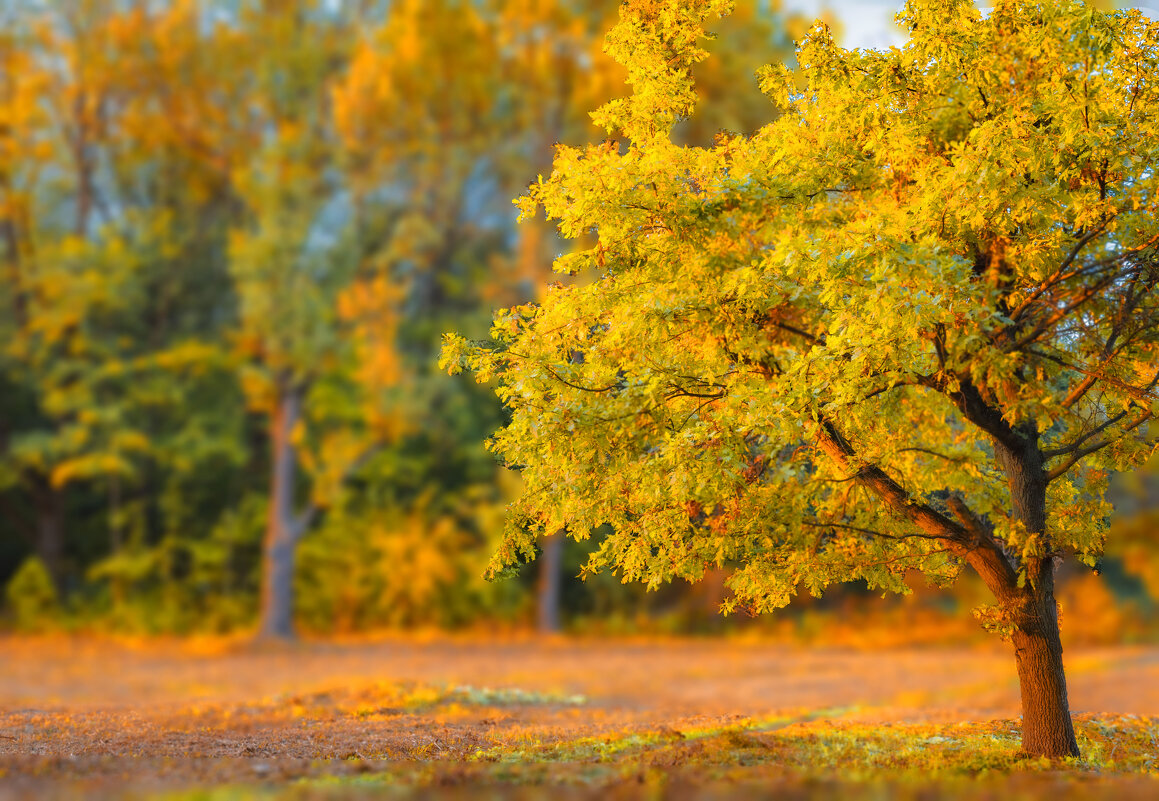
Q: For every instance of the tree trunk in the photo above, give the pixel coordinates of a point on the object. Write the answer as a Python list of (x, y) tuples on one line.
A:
[(49, 503), (282, 525), (1047, 728), (83, 163), (548, 591), (1031, 609)]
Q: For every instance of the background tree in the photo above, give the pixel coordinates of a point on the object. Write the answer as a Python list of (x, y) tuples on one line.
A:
[(911, 324), (99, 360)]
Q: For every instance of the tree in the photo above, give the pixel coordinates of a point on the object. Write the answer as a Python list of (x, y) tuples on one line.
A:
[(110, 387), (910, 324), (295, 252), (359, 232)]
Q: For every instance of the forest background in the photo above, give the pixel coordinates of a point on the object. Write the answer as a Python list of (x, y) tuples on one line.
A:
[(231, 234)]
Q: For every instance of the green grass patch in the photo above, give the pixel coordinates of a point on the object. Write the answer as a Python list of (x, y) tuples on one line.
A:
[(394, 698)]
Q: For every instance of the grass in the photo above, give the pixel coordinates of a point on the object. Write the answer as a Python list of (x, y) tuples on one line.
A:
[(809, 756), (393, 698)]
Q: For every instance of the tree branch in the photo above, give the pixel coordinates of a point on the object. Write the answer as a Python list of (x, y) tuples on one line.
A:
[(969, 401), (302, 521), (954, 459), (869, 531), (1050, 453), (1097, 446), (1058, 276), (982, 554), (797, 332), (1137, 393), (563, 380)]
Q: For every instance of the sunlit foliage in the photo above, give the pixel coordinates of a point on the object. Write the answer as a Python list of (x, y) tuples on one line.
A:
[(909, 324)]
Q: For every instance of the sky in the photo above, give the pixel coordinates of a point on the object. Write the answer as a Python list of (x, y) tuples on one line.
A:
[(869, 23)]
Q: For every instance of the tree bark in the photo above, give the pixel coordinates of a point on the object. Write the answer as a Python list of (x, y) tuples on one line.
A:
[(283, 527), (1047, 728), (548, 590), (50, 528)]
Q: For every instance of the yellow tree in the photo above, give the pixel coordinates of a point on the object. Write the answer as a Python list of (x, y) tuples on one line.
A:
[(909, 325), (365, 139), (558, 71)]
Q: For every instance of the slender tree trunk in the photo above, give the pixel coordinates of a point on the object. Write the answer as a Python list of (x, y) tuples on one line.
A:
[(548, 591), (50, 528), (83, 163), (282, 525)]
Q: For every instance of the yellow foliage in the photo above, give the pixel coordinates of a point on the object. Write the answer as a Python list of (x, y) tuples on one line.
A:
[(371, 305)]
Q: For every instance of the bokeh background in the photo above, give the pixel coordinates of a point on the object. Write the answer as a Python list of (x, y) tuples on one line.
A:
[(231, 235)]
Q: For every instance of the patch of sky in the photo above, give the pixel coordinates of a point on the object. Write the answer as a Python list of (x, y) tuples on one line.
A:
[(869, 23)]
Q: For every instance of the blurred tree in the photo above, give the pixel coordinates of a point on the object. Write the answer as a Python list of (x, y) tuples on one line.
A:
[(196, 252), (294, 253), (911, 324), (368, 204), (100, 358)]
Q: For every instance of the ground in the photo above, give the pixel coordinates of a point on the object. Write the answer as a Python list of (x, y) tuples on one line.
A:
[(507, 717)]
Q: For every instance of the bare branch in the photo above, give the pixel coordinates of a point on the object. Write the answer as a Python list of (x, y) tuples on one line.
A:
[(1097, 446), (1050, 453), (1137, 393), (954, 459), (563, 380), (869, 531)]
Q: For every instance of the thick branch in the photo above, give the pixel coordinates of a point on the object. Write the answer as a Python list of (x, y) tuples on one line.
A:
[(893, 494), (973, 406), (979, 552)]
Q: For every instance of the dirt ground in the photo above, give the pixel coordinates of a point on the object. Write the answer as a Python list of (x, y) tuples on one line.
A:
[(87, 717)]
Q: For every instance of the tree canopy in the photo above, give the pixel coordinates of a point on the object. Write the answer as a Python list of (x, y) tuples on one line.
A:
[(910, 323)]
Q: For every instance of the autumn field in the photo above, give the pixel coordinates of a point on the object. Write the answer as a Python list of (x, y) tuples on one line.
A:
[(472, 717), (780, 315)]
